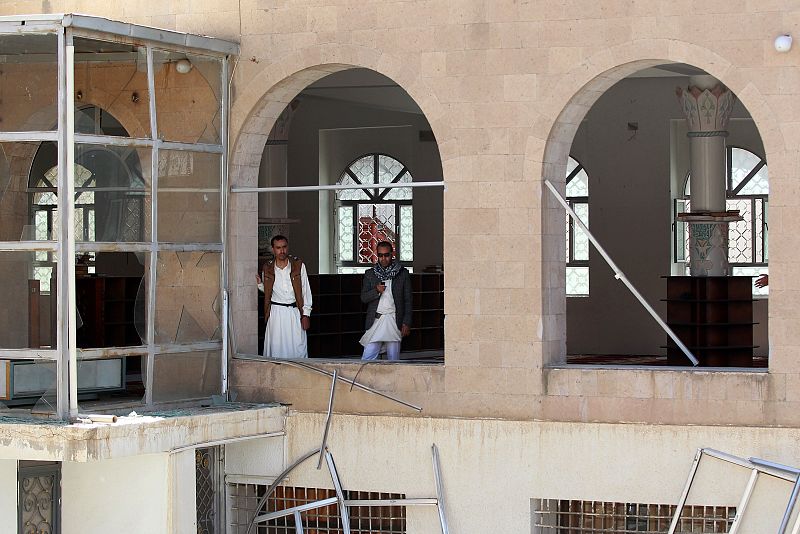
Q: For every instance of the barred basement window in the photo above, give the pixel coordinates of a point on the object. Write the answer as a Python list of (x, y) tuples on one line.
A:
[(207, 496), (363, 519), (554, 516)]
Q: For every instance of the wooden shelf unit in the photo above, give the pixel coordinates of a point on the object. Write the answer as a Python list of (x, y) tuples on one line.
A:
[(337, 322), (713, 317)]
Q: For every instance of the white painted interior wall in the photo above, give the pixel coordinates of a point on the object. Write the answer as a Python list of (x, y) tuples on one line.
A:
[(633, 177), (129, 495), (8, 490)]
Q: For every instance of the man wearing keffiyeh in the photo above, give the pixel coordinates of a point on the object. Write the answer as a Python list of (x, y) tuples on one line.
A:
[(386, 290)]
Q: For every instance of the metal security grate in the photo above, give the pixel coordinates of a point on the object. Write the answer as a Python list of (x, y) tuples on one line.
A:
[(39, 496), (205, 488), (363, 519), (554, 516)]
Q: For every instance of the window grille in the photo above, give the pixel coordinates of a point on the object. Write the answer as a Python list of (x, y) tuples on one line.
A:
[(363, 519), (577, 242), (372, 214), (747, 191), (39, 500), (206, 467), (558, 516)]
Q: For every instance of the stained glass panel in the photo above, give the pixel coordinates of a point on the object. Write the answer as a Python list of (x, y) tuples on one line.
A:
[(740, 233), (376, 222), (345, 233), (742, 162), (581, 242), (350, 194), (406, 233), (577, 281)]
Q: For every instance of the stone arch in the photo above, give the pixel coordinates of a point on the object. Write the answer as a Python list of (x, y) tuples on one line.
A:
[(253, 115), (573, 94)]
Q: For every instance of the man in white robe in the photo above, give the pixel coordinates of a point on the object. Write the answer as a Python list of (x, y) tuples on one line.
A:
[(386, 289), (287, 303)]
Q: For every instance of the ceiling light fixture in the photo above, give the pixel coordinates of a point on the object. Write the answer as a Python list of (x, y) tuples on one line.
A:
[(783, 43), (183, 66)]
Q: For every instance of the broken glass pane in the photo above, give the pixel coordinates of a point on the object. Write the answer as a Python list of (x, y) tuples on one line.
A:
[(189, 199), (29, 82), (113, 75), (190, 375), (187, 297), (188, 97), (30, 321)]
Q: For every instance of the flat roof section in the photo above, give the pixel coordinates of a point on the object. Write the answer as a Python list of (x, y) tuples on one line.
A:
[(123, 29)]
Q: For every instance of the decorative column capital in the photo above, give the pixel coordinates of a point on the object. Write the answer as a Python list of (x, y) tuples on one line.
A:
[(707, 111)]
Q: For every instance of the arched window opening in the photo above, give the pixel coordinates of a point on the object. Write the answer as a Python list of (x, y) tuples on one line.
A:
[(109, 192), (747, 191), (577, 242), (367, 216)]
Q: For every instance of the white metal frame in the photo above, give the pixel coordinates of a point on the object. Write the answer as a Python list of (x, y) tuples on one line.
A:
[(757, 467), (66, 354)]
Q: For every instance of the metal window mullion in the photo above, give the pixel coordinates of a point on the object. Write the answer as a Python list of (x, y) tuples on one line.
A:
[(112, 140), (151, 287), (68, 221), (34, 137), (223, 225)]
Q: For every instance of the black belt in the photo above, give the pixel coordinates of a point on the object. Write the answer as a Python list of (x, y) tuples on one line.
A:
[(289, 305)]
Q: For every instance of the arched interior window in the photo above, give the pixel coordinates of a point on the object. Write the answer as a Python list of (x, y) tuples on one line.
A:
[(109, 191), (748, 192), (369, 215), (577, 242)]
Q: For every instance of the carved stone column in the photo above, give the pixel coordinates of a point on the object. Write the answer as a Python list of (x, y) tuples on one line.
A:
[(707, 105)]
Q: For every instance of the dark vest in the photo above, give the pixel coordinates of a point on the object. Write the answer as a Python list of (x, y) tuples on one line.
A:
[(269, 282)]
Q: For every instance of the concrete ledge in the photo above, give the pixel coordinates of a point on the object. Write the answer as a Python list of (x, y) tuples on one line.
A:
[(149, 433)]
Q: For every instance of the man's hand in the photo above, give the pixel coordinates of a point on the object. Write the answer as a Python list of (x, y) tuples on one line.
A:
[(381, 287), (762, 280), (405, 330), (258, 279), (305, 322)]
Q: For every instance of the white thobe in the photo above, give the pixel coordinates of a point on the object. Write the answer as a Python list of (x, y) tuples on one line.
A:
[(384, 328), (284, 336)]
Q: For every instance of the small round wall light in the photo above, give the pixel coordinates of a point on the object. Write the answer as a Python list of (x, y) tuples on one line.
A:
[(183, 66), (783, 43)]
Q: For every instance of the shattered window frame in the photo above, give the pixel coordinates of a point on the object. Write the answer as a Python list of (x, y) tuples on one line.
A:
[(119, 43)]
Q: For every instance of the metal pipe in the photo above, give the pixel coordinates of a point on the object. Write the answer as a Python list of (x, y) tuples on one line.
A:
[(277, 483), (391, 502), (778, 473), (223, 219), (327, 373), (619, 275), (787, 514), (229, 440), (774, 465), (224, 362), (682, 501), (437, 477), (68, 219), (151, 278), (302, 508), (298, 523), (337, 484), (62, 364), (297, 188), (328, 419), (748, 492)]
